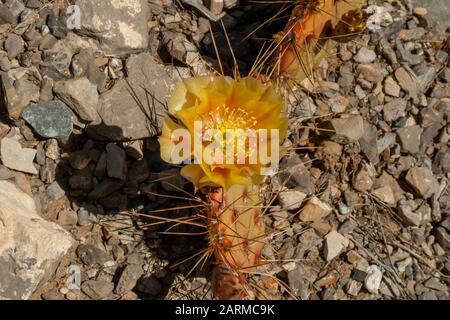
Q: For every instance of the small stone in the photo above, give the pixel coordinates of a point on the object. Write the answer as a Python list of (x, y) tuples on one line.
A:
[(96, 289), (413, 216), (57, 25), (328, 280), (149, 285), (443, 238), (116, 163), (5, 173), (85, 105), (59, 56), (14, 45), (373, 279), (80, 182), (6, 16), (363, 180), (79, 160), (34, 4), (435, 284), (67, 218), (15, 157), (49, 119), (444, 75), (365, 56), (385, 194), (335, 243), (351, 128), (52, 149), (91, 255), (429, 295), (391, 87), (291, 199), (105, 188), (306, 108), (346, 227), (410, 138), (420, 11), (407, 80), (46, 93), (128, 278), (52, 295), (86, 215), (370, 72), (314, 210), (47, 172), (353, 287), (422, 180), (405, 55)]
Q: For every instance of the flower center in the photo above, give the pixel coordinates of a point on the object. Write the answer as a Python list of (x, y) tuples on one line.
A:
[(226, 118)]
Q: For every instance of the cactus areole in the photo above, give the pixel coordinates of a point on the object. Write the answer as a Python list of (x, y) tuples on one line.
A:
[(235, 223)]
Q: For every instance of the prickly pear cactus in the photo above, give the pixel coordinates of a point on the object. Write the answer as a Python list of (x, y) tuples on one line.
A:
[(235, 223), (308, 34), (236, 234)]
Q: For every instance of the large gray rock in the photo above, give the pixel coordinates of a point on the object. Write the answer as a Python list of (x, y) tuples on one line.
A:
[(30, 247), (120, 26), (141, 97)]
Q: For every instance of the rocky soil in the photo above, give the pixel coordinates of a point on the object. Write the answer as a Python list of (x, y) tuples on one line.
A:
[(359, 210)]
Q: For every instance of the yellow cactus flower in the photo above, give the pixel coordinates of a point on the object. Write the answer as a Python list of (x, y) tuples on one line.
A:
[(244, 118)]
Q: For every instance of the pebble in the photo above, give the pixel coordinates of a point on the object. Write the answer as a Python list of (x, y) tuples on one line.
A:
[(96, 289), (420, 11), (410, 138), (412, 215), (84, 105), (116, 163), (86, 215), (52, 119), (291, 199), (407, 80), (391, 87), (351, 128), (422, 180), (14, 45), (363, 179), (149, 285), (52, 295), (5, 173), (15, 157), (365, 56), (314, 210), (128, 278), (335, 243), (79, 160), (91, 255), (373, 280)]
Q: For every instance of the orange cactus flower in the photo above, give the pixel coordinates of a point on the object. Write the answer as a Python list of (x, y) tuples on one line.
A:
[(220, 113)]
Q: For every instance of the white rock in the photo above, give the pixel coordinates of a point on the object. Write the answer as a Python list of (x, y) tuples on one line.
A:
[(335, 243), (373, 279), (291, 199), (30, 247), (17, 158)]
